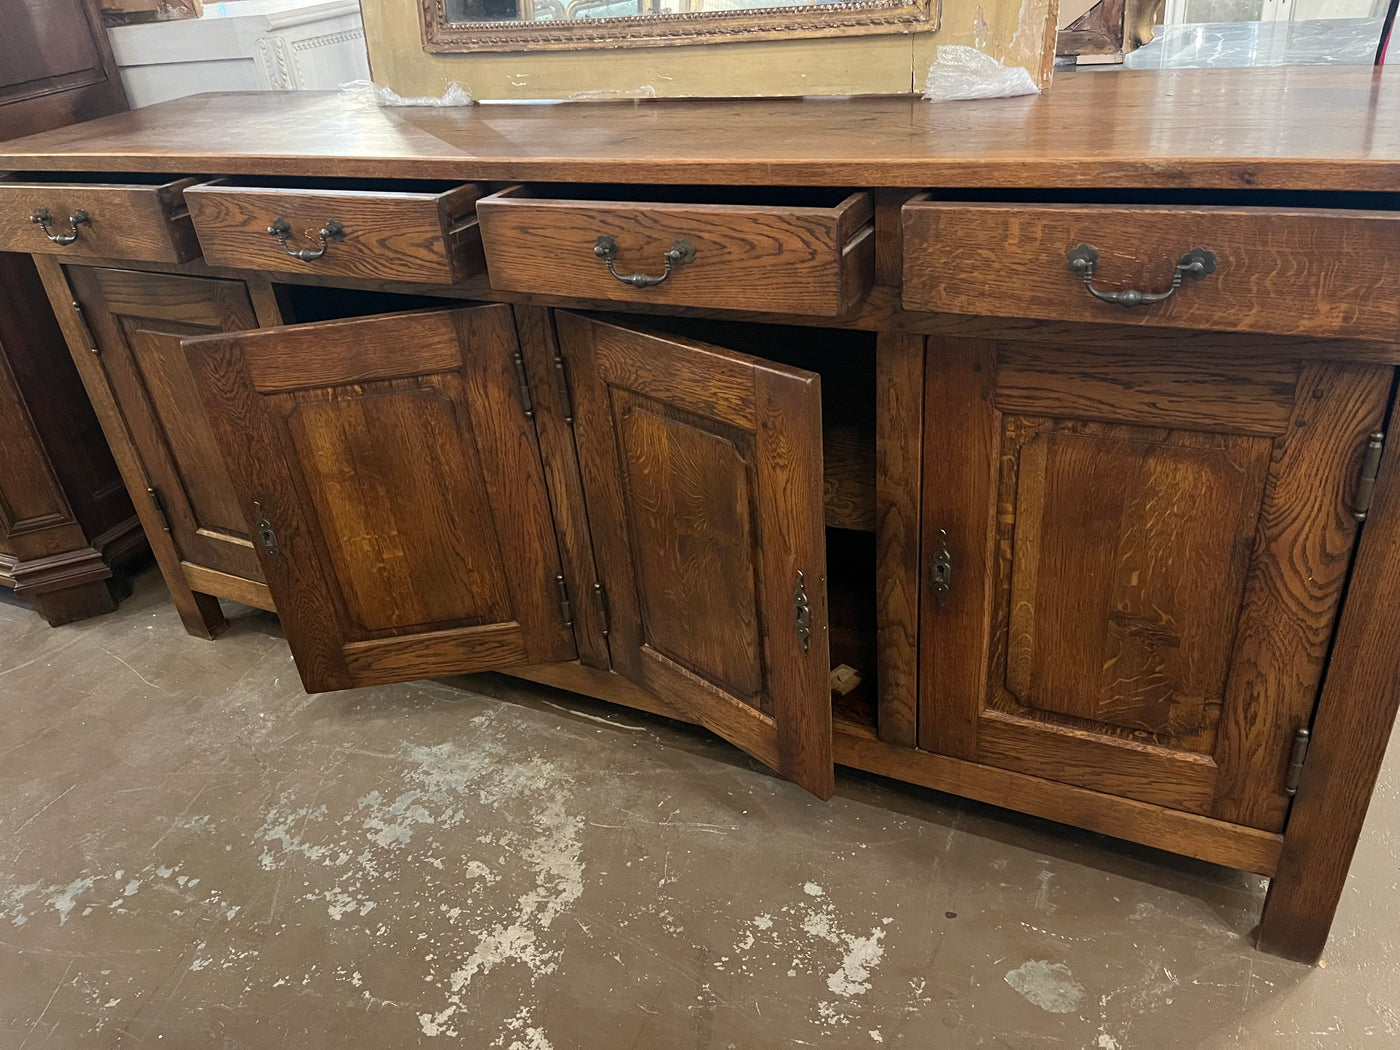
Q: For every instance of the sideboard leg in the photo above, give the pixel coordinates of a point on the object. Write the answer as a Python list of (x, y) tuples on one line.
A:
[(1360, 696)]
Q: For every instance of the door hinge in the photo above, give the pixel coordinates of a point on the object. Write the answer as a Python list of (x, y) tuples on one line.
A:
[(81, 316), (564, 607), (1296, 758), (566, 395), (524, 383), (602, 597), (159, 504), (1366, 477)]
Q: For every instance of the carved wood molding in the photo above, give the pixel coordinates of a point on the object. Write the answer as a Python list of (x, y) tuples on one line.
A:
[(849, 18)]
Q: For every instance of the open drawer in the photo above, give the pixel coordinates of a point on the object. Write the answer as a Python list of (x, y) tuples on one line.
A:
[(386, 230), (1307, 271), (97, 216), (797, 251)]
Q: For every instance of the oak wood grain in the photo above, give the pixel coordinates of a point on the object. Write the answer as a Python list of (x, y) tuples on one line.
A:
[(1299, 272), (801, 259), (212, 581), (140, 219), (1320, 128), (733, 445), (1352, 725), (408, 508), (551, 392), (392, 233), (199, 613), (899, 421)]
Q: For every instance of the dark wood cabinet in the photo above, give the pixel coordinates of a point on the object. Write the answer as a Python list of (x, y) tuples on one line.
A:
[(392, 476), (1146, 561), (864, 475), (58, 66), (703, 477)]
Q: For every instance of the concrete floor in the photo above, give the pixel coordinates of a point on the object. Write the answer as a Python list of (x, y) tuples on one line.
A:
[(196, 854)]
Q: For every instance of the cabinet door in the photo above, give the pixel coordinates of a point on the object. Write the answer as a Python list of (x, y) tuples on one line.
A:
[(138, 320), (394, 481), (702, 471), (1145, 560)]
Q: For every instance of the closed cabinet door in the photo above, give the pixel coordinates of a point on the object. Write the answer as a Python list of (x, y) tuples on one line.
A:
[(702, 473), (393, 482), (1132, 569), (138, 321)]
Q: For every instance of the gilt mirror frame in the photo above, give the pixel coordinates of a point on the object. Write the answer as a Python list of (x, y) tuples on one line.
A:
[(848, 18)]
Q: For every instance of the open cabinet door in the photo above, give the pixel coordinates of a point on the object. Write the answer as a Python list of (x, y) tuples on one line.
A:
[(395, 492), (702, 471)]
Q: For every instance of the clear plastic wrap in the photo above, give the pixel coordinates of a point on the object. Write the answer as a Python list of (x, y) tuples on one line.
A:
[(961, 72), (369, 94)]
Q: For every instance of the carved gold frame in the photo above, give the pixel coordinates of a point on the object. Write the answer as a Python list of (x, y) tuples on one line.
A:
[(848, 18)]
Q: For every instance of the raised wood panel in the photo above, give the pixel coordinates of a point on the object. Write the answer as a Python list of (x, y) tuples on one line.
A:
[(1129, 549), (803, 259), (1298, 272), (702, 473), (138, 321), (58, 66), (1138, 608), (689, 491), (411, 520)]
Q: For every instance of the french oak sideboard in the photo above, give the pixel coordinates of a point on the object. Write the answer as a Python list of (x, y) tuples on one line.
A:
[(1059, 420)]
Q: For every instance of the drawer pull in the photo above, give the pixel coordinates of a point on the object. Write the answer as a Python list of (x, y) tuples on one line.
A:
[(282, 230), (42, 217), (1194, 265), (681, 251)]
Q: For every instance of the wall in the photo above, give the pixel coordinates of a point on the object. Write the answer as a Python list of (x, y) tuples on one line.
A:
[(1018, 32)]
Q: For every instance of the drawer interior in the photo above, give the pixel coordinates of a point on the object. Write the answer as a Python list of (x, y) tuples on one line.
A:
[(356, 187), (1287, 199), (89, 178), (744, 196)]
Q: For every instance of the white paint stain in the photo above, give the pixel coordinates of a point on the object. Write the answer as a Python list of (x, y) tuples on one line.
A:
[(65, 899), (812, 889), (1050, 986)]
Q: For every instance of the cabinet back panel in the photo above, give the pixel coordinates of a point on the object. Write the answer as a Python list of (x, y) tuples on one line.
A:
[(409, 549)]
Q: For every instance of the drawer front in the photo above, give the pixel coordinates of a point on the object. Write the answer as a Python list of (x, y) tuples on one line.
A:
[(381, 235), (775, 259), (1308, 272), (144, 221)]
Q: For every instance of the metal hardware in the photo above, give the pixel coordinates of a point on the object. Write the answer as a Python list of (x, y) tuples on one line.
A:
[(802, 613), (1296, 758), (266, 536), (282, 230), (1366, 479), (564, 607), (159, 504), (526, 402), (681, 252), (602, 597), (942, 572), (42, 217), (566, 395), (1195, 265), (82, 324)]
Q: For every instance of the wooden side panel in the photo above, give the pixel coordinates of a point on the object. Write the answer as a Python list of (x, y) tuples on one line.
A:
[(411, 534), (702, 472)]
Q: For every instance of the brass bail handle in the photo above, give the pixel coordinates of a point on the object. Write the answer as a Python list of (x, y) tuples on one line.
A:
[(282, 230), (43, 218), (1195, 265), (681, 252)]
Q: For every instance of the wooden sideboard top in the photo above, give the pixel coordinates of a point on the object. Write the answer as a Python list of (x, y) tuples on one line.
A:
[(1313, 128)]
